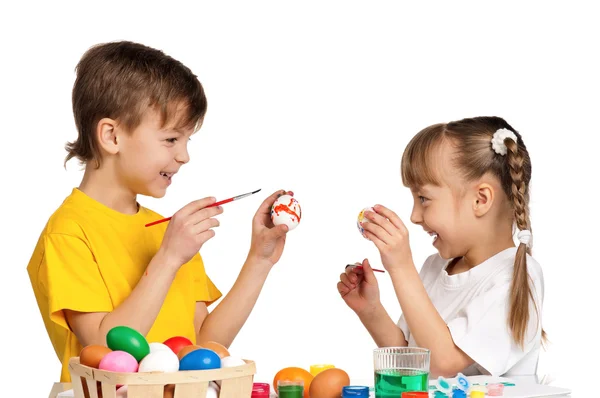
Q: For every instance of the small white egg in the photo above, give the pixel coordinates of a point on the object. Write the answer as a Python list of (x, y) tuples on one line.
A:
[(286, 210), (154, 347), (230, 362), (159, 361)]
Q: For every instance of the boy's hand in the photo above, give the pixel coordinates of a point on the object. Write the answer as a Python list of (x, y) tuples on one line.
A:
[(359, 288), (268, 240), (390, 236), (188, 230)]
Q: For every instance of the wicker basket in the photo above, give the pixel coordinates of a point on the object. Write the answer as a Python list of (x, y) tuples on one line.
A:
[(236, 382)]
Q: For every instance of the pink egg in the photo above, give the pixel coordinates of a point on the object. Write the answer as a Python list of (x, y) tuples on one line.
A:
[(119, 361)]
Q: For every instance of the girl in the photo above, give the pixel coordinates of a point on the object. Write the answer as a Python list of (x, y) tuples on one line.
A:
[(476, 304)]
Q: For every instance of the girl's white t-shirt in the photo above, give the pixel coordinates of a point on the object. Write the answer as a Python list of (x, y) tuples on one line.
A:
[(475, 306)]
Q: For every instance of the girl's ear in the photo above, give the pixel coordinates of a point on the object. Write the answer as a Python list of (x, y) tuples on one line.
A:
[(484, 197), (107, 135)]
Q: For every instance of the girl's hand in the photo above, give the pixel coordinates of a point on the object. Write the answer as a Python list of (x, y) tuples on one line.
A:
[(359, 288), (390, 236), (268, 240)]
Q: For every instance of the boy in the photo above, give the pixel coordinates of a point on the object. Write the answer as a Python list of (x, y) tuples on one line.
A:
[(96, 265)]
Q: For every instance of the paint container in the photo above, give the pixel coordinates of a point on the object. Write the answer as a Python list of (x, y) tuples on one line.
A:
[(355, 392), (290, 389), (261, 390), (495, 390)]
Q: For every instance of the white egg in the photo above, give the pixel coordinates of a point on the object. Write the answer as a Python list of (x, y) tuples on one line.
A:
[(159, 361), (154, 347), (286, 210), (230, 362)]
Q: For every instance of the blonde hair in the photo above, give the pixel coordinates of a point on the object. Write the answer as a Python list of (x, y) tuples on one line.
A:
[(474, 157)]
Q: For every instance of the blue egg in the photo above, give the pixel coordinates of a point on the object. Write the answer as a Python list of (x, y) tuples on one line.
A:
[(200, 359)]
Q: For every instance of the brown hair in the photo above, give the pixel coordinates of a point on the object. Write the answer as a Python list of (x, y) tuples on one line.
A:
[(121, 80), (474, 158)]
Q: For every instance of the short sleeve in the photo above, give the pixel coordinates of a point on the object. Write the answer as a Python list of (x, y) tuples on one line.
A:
[(71, 278), (481, 330), (204, 289)]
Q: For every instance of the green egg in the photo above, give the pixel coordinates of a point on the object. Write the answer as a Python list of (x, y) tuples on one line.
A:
[(123, 338)]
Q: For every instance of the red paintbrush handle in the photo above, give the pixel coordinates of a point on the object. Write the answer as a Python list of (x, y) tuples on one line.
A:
[(168, 218), (374, 269), (221, 202), (157, 222)]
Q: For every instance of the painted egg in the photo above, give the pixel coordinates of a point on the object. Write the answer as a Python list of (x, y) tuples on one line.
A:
[(286, 210), (177, 343), (119, 361), (329, 383), (91, 355), (220, 349), (186, 350), (201, 359), (123, 338), (160, 361), (362, 219)]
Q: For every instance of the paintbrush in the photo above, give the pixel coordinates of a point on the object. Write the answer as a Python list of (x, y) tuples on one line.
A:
[(212, 205), (361, 267)]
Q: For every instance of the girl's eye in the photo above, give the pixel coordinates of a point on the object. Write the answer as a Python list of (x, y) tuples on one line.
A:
[(171, 140), (422, 199)]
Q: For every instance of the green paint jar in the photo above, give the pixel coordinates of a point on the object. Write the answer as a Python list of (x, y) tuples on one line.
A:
[(290, 389)]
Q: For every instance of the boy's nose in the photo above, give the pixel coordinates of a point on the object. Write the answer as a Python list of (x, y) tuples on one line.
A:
[(183, 156)]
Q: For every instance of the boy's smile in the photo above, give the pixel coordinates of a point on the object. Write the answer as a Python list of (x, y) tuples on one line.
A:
[(151, 155)]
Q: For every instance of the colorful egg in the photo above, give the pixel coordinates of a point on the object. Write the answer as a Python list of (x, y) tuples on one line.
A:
[(186, 350), (177, 343), (220, 349), (91, 355), (123, 338), (286, 210), (119, 361), (160, 361), (201, 359), (362, 219)]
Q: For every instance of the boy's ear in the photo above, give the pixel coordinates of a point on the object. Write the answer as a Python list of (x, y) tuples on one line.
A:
[(484, 197), (106, 132)]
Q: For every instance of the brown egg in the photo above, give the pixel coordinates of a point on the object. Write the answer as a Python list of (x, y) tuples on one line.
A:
[(91, 355), (186, 350), (329, 383), (216, 347)]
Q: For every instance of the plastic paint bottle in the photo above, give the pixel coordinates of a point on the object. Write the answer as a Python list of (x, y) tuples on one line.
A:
[(355, 392)]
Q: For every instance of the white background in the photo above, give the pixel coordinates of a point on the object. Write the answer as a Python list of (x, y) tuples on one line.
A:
[(319, 98)]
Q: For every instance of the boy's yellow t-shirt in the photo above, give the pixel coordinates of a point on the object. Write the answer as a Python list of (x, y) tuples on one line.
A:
[(90, 257)]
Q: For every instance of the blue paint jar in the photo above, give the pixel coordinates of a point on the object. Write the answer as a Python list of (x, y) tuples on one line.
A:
[(355, 392)]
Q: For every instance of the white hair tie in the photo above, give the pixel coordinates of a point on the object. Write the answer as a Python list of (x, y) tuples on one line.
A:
[(498, 140), (524, 236)]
